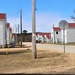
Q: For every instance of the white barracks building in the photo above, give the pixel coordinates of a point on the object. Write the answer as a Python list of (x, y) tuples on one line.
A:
[(57, 34), (4, 30), (3, 23)]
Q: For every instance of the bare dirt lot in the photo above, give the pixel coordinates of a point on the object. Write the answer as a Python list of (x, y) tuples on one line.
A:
[(47, 62)]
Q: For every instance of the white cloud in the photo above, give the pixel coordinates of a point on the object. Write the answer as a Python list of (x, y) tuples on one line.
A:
[(44, 21)]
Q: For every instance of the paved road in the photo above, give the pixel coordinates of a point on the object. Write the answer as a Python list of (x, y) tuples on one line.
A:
[(68, 48)]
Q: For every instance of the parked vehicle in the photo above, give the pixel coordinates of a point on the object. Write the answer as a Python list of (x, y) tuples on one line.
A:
[(38, 41)]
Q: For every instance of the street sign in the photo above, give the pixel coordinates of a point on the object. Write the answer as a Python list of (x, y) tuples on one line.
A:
[(63, 24)]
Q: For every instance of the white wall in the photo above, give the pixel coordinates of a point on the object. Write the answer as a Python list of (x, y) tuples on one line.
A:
[(71, 35), (8, 35), (1, 33), (52, 36), (57, 36), (3, 37), (65, 35)]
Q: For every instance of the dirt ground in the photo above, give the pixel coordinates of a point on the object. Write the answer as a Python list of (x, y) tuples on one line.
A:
[(47, 62)]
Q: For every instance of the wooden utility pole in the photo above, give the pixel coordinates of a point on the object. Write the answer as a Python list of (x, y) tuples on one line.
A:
[(54, 33), (21, 25), (34, 52), (18, 28), (18, 34)]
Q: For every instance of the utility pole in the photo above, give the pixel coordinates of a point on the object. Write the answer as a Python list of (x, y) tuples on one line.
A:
[(18, 34), (21, 25), (18, 28), (34, 52), (54, 33)]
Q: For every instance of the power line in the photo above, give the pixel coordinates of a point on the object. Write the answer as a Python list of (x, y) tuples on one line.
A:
[(18, 12), (15, 14)]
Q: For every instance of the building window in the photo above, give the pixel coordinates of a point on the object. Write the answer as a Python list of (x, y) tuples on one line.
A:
[(56, 32)]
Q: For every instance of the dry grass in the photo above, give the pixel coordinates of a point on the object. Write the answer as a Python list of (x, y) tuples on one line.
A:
[(46, 62)]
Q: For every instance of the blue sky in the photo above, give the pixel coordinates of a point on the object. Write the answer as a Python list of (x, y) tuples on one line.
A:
[(48, 12)]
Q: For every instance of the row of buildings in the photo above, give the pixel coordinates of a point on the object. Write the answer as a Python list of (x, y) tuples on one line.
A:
[(56, 35), (6, 35)]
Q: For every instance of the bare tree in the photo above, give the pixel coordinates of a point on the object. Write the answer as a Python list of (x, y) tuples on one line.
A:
[(73, 17)]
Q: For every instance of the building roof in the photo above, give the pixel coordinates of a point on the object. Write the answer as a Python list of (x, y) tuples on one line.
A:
[(43, 34), (70, 25), (2, 16), (8, 25), (56, 28)]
